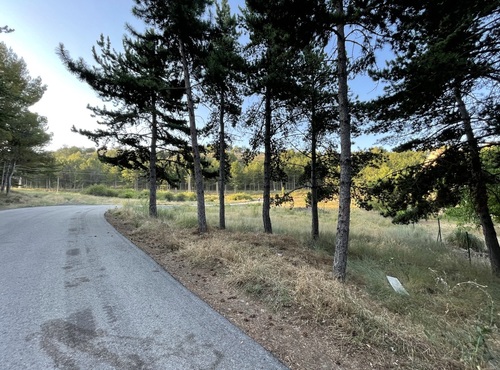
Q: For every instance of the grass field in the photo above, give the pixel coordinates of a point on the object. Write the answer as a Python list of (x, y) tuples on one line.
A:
[(449, 320)]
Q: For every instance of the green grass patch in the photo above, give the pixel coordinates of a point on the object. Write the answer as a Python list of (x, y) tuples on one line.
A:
[(465, 239), (100, 191), (239, 197)]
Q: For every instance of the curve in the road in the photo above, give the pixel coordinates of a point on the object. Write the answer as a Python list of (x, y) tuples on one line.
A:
[(75, 294)]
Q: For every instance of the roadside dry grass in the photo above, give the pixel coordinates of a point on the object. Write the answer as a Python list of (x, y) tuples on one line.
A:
[(37, 198), (278, 288), (449, 320)]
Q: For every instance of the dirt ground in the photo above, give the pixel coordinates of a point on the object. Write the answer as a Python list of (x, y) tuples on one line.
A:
[(294, 340)]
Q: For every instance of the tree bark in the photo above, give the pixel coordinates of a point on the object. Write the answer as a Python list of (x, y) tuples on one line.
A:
[(266, 204), (153, 211), (9, 178), (4, 177), (314, 174), (222, 166), (198, 176), (478, 188), (343, 223)]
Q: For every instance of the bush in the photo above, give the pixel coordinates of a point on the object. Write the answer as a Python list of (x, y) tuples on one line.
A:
[(462, 213), (185, 197), (211, 198), (240, 196), (127, 194), (168, 196), (462, 239), (181, 197), (101, 191)]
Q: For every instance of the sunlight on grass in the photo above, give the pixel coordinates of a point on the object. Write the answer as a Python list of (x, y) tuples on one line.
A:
[(35, 198), (449, 320)]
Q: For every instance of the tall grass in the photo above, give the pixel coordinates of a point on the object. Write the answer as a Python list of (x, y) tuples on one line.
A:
[(32, 198), (449, 319)]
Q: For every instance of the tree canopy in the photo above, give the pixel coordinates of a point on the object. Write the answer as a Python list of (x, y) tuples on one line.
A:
[(23, 134), (442, 95), (299, 60), (146, 89)]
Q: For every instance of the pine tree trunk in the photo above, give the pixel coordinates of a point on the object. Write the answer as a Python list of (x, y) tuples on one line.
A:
[(9, 178), (4, 177), (222, 166), (198, 176), (266, 203), (153, 211), (314, 182), (343, 223), (478, 188)]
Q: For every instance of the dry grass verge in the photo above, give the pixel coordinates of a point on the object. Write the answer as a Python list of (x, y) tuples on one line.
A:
[(278, 288), (282, 294), (37, 198)]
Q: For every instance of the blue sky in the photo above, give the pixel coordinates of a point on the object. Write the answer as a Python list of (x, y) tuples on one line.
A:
[(39, 28)]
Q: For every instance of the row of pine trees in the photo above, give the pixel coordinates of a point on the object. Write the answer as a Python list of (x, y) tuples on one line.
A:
[(282, 72), (292, 62)]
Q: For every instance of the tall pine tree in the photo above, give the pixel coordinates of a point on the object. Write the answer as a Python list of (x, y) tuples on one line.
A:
[(348, 25), (221, 86), (278, 30), (185, 29), (22, 133), (146, 89), (442, 93), (315, 102)]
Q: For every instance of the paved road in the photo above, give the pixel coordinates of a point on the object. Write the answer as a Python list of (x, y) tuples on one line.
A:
[(75, 294)]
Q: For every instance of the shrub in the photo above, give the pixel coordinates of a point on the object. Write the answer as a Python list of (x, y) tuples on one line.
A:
[(181, 197), (127, 194), (100, 191), (462, 239), (168, 196), (240, 196), (185, 197), (211, 198)]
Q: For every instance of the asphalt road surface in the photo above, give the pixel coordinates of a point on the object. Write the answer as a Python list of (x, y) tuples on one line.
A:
[(75, 294)]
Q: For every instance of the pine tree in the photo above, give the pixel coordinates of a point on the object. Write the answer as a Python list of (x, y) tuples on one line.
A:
[(184, 29), (343, 223), (222, 77), (315, 102), (443, 93), (146, 90), (278, 30), (22, 132)]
